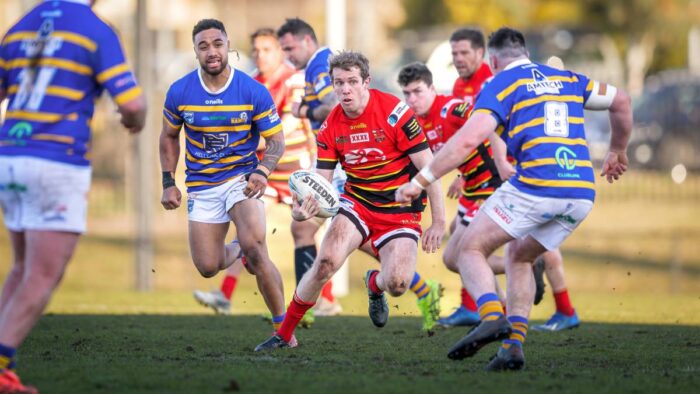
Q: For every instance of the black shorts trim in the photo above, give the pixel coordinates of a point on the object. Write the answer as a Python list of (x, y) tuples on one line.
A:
[(358, 225), (397, 235)]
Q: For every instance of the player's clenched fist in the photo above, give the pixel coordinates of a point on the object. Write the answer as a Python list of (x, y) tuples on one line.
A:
[(171, 198), (256, 186)]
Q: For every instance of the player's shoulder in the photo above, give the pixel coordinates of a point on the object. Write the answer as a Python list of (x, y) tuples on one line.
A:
[(184, 83), (451, 105)]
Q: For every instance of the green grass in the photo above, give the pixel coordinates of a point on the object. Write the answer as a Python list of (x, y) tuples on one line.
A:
[(211, 354), (633, 272)]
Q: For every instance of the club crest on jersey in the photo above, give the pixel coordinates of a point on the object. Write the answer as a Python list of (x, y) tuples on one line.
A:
[(359, 137), (397, 113), (378, 135), (543, 85), (188, 116), (243, 118)]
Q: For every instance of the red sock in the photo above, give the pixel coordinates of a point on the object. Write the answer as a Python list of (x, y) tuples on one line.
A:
[(468, 301), (295, 312), (372, 284), (327, 291), (563, 303), (228, 286)]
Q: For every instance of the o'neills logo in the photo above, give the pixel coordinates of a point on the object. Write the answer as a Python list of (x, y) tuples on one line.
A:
[(504, 216), (214, 102), (358, 126), (320, 190)]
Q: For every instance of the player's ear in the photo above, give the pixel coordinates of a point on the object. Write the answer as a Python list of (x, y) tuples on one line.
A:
[(368, 80)]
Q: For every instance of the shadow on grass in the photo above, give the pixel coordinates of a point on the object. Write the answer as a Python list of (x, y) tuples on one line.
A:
[(202, 354)]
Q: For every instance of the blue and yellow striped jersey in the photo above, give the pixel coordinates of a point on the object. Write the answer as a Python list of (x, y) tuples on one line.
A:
[(54, 63), (539, 110), (223, 128), (317, 82)]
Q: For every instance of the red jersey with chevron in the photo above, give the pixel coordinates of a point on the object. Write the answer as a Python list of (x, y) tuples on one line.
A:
[(445, 117), (468, 89), (373, 150)]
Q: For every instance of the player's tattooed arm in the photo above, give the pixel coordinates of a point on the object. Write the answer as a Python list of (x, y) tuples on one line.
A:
[(327, 103), (274, 149)]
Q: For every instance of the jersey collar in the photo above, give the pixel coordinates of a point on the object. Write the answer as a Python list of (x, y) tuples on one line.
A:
[(517, 63), (206, 89), (319, 50)]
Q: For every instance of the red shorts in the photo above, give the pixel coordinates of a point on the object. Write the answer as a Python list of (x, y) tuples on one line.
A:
[(279, 192), (467, 209), (380, 228)]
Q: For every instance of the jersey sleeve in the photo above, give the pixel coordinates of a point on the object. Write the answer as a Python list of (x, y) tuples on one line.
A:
[(170, 112), (410, 137), (112, 71), (584, 86), (3, 72), (265, 116), (321, 81), (488, 102), (327, 153)]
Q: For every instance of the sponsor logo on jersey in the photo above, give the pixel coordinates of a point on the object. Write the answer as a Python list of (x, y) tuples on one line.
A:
[(321, 145), (412, 128), (21, 130), (214, 102), (341, 140), (359, 137), (188, 116), (460, 110), (432, 134), (358, 126), (360, 156), (565, 158), (542, 85), (397, 113), (243, 118), (320, 190), (502, 214)]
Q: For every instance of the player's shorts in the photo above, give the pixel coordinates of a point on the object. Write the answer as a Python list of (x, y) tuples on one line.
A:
[(39, 194), (212, 205), (380, 228), (548, 220), (467, 209)]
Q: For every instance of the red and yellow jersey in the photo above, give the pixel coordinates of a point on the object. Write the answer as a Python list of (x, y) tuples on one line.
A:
[(468, 89), (445, 117), (373, 150), (286, 85)]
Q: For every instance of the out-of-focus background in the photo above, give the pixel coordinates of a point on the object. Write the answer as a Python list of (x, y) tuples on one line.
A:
[(641, 240)]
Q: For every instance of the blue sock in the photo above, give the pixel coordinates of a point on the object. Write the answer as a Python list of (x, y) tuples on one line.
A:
[(419, 286), (7, 355), (517, 337), (490, 307), (277, 321)]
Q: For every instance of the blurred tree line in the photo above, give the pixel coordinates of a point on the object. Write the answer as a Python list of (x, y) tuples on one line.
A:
[(650, 35)]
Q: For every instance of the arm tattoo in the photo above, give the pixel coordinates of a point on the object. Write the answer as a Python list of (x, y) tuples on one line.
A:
[(274, 149), (327, 103)]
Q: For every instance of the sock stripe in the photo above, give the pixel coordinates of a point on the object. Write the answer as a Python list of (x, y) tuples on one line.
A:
[(491, 310), (418, 286), (5, 362), (416, 278)]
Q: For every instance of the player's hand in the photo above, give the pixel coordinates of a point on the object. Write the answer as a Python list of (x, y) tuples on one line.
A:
[(171, 198), (407, 193), (455, 189), (432, 237), (256, 186), (505, 169), (614, 165), (308, 208)]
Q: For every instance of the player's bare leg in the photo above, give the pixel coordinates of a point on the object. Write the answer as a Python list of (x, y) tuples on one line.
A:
[(47, 254), (565, 316), (14, 277), (207, 247), (341, 239), (249, 217), (398, 262)]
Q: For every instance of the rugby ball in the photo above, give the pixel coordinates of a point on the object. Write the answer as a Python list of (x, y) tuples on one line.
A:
[(304, 182)]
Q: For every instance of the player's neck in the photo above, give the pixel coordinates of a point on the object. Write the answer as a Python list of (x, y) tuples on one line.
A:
[(216, 82)]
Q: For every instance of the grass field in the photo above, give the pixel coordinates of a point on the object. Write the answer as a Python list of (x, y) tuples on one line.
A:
[(633, 270)]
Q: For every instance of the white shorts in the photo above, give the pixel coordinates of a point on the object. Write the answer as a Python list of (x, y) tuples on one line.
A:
[(548, 220), (212, 205), (38, 194)]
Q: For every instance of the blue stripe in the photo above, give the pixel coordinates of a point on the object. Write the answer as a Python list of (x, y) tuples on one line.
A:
[(488, 297), (517, 319), (416, 279), (278, 319)]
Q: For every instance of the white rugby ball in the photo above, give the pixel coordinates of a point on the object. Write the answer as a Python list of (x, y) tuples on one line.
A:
[(304, 182)]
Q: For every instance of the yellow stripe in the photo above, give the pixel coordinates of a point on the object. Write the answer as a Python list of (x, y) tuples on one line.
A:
[(423, 292), (4, 362), (170, 124), (224, 160), (55, 138), (2, 63), (490, 307), (520, 82), (589, 87), (552, 161), (517, 337), (34, 116), (553, 140), (213, 108), (76, 39), (418, 285), (370, 189), (324, 92), (310, 97), (172, 114), (112, 72), (272, 131), (218, 129), (521, 127), (19, 36), (261, 115), (548, 97), (125, 97), (193, 142), (520, 327), (214, 170), (52, 62), (60, 91), (556, 183), (373, 165)]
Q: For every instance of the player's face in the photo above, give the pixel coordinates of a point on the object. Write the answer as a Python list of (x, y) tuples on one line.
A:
[(211, 47), (297, 50), (419, 96), (352, 92), (267, 54), (465, 58)]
